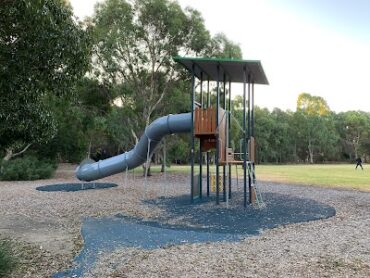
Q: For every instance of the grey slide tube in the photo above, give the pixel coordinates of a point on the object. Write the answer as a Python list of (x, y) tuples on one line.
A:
[(180, 123)]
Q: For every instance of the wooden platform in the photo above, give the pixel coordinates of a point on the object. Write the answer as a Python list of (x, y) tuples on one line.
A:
[(232, 162), (230, 158)]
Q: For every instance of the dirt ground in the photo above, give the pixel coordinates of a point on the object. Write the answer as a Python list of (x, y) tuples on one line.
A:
[(45, 230)]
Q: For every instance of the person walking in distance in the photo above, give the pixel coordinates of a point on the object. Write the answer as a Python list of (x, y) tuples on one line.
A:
[(359, 163)]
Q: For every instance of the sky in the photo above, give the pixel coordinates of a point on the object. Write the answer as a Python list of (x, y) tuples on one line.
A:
[(320, 47)]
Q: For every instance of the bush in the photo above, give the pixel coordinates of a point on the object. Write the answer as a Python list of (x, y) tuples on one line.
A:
[(27, 168), (7, 262)]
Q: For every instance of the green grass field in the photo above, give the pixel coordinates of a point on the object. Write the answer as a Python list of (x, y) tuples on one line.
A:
[(336, 175), (329, 175)]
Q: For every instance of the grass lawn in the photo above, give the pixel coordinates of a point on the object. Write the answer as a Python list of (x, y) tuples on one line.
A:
[(330, 175)]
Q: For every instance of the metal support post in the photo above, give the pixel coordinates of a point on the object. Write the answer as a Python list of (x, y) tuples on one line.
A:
[(249, 138), (192, 133), (252, 113), (217, 137), (224, 143), (200, 145), (208, 158), (229, 135), (244, 138)]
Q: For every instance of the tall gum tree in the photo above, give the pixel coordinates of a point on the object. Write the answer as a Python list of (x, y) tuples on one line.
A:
[(135, 42), (315, 127), (355, 130)]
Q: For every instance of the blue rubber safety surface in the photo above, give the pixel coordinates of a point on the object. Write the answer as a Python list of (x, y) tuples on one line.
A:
[(204, 215), (71, 187), (202, 221)]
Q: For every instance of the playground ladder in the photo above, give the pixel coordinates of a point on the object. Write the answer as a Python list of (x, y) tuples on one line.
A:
[(252, 174)]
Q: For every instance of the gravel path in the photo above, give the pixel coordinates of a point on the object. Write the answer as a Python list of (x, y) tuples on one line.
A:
[(51, 221)]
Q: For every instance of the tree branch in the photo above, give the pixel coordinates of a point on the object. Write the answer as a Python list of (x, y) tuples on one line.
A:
[(22, 151)]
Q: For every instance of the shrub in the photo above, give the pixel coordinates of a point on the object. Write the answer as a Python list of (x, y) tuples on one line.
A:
[(27, 168), (7, 262)]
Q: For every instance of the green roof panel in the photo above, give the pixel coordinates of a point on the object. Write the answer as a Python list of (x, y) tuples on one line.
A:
[(233, 69)]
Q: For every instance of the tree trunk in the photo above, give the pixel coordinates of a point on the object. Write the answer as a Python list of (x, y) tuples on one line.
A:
[(146, 169), (356, 145), (8, 155), (310, 152), (89, 150), (355, 150), (163, 167)]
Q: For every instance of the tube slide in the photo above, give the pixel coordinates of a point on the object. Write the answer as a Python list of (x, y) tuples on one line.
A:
[(90, 170)]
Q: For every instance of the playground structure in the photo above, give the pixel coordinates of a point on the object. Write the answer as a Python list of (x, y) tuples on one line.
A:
[(210, 125)]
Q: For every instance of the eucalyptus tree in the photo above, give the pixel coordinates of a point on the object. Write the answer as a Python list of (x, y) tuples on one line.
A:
[(135, 42), (43, 51), (222, 47), (315, 128), (354, 127)]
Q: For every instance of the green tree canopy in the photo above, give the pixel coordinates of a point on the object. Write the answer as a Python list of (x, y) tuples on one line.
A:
[(222, 47), (312, 105), (314, 125), (354, 127), (43, 51), (134, 45)]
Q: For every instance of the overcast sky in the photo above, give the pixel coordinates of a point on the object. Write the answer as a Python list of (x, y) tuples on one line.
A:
[(321, 47)]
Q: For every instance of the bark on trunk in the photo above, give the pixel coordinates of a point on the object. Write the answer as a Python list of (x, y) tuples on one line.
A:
[(163, 168), (89, 149), (310, 152), (10, 153), (146, 169)]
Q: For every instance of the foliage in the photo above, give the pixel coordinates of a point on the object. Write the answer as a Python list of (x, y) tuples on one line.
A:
[(134, 47), (178, 149), (272, 131), (312, 105), (307, 135), (81, 122), (70, 144), (222, 47), (94, 97), (26, 168), (43, 51), (7, 262), (119, 128), (354, 128), (46, 104), (314, 126)]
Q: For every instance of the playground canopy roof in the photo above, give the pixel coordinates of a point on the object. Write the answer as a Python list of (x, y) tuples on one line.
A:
[(232, 68)]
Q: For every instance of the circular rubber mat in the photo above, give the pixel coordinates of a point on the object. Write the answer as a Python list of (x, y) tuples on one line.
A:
[(71, 187)]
